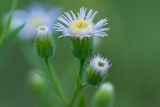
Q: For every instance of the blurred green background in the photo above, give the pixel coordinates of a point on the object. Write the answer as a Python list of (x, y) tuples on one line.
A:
[(132, 45)]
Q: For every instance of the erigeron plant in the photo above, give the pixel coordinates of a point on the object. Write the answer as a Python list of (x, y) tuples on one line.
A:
[(81, 30)]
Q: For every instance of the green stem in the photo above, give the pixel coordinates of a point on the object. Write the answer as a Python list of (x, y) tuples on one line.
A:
[(75, 94), (78, 88), (55, 81), (74, 97), (81, 68)]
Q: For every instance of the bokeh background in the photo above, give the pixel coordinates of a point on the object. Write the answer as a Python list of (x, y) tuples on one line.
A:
[(132, 45)]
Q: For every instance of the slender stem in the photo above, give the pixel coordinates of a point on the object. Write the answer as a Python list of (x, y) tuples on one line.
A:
[(81, 68), (74, 97), (78, 88), (55, 81), (75, 94)]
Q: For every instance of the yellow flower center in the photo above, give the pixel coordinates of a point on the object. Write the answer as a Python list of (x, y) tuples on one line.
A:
[(101, 64), (79, 26), (43, 28), (34, 22)]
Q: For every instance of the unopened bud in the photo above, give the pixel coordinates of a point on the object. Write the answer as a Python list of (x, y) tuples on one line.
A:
[(44, 41), (97, 69), (37, 81), (104, 96)]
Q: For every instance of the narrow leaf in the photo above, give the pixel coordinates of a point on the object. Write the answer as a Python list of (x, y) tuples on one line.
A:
[(6, 28), (10, 36)]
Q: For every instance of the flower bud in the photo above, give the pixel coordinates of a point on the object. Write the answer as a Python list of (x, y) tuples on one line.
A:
[(44, 41), (82, 47), (104, 95), (37, 81), (97, 69)]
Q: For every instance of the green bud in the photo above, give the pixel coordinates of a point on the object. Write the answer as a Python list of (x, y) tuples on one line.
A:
[(44, 42), (97, 69), (94, 78), (37, 81), (104, 96), (82, 48)]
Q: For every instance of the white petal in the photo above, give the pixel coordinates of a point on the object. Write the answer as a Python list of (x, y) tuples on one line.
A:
[(101, 23), (93, 15)]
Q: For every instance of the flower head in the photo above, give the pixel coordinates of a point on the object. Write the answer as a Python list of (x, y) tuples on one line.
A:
[(35, 16), (44, 41), (43, 31), (96, 71), (81, 25), (100, 64)]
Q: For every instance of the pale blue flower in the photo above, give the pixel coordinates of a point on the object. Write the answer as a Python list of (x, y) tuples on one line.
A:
[(81, 25), (35, 16)]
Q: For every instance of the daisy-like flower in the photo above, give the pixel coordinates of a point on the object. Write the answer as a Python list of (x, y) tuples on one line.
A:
[(97, 69), (33, 17), (100, 64), (81, 25), (43, 41)]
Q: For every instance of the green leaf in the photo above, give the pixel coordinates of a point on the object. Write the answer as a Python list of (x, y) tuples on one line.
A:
[(8, 37), (6, 28)]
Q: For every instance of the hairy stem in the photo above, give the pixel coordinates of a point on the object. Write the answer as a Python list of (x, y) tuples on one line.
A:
[(55, 81)]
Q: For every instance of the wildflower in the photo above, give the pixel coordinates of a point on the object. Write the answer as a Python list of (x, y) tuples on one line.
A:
[(81, 29), (35, 16), (44, 41), (97, 69), (81, 26)]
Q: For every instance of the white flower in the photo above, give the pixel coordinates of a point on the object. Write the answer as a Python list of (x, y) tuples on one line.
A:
[(43, 30), (99, 64), (35, 16), (81, 25)]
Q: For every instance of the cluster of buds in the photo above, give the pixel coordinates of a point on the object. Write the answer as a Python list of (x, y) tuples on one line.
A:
[(82, 31)]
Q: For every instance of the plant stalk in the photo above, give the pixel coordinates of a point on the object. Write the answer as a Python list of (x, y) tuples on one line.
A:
[(55, 81), (81, 68), (75, 94)]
